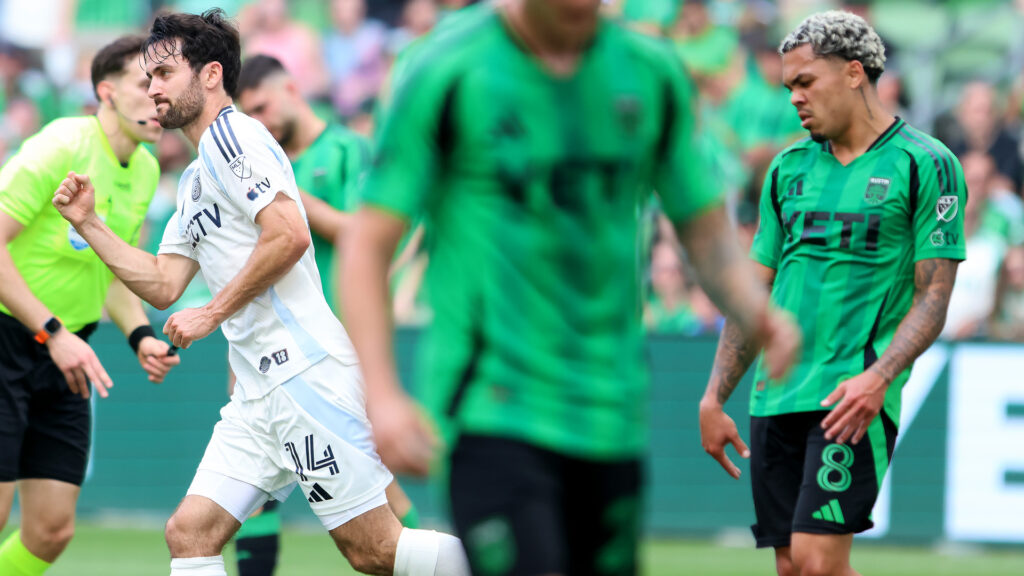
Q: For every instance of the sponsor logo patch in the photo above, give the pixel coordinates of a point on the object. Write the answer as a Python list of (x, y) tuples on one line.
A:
[(937, 238)]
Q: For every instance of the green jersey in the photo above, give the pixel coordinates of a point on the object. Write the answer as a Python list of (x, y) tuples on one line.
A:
[(332, 169), (55, 261), (843, 241), (532, 186)]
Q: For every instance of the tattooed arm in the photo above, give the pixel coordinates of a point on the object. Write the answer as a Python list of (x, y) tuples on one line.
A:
[(735, 353), (863, 395)]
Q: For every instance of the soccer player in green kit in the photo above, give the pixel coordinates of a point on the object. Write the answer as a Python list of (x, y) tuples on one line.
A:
[(860, 235), (329, 162), (530, 135), (53, 292)]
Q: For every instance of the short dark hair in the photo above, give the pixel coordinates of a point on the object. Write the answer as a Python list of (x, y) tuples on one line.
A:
[(112, 59), (207, 37), (256, 69)]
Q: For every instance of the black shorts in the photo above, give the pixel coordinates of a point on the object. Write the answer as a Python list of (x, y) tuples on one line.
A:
[(44, 427), (804, 483), (523, 510)]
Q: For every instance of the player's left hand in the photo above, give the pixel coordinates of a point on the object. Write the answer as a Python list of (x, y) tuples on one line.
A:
[(860, 399), (154, 359), (191, 324)]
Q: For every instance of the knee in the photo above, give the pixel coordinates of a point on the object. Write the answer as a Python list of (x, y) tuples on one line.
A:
[(818, 565), (181, 535), (784, 566), (51, 534)]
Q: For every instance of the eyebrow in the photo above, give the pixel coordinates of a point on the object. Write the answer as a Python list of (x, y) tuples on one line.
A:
[(796, 79), (158, 68)]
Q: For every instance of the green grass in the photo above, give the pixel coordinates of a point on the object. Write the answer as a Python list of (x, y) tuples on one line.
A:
[(102, 551)]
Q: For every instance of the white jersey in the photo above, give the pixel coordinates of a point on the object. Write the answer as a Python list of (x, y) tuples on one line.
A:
[(288, 328)]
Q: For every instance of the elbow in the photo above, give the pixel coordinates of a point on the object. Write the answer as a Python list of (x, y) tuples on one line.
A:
[(298, 243)]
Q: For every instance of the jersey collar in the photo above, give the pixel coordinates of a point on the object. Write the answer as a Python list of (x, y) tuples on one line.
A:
[(226, 110)]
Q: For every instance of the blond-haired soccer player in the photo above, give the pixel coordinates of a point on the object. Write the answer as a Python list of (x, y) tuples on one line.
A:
[(860, 236)]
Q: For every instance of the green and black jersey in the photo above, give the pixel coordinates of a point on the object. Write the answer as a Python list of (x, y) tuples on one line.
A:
[(531, 186), (844, 241), (332, 170)]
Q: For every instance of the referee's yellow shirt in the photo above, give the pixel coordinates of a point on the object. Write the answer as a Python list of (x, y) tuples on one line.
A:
[(56, 262)]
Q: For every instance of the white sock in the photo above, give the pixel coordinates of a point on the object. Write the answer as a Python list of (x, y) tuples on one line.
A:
[(209, 566), (429, 553)]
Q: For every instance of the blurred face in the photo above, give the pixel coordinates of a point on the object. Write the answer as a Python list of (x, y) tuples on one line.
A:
[(821, 90), (575, 20), (271, 104), (129, 94), (666, 270), (174, 88), (978, 108)]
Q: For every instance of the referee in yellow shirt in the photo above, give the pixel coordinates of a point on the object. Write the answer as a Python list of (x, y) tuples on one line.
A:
[(53, 292)]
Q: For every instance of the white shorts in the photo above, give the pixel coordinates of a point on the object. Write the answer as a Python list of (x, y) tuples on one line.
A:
[(312, 431)]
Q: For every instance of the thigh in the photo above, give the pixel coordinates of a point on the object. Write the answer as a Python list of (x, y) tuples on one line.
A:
[(602, 517), (56, 441), (841, 481), (47, 505), (325, 444), (777, 446), (506, 500)]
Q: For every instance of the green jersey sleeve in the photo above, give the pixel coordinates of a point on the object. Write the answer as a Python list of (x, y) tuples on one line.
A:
[(681, 178), (408, 151), (939, 211), (29, 179), (767, 246)]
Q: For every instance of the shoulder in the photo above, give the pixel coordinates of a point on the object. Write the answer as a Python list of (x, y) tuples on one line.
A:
[(232, 135), (800, 148), (64, 133), (924, 148)]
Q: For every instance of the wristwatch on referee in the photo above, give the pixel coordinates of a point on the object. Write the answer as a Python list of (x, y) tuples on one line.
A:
[(48, 329)]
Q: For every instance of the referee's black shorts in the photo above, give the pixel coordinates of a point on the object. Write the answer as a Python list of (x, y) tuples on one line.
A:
[(44, 427)]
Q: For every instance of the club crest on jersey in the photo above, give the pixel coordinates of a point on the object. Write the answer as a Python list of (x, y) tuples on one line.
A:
[(264, 364), (197, 189), (876, 190), (937, 238), (946, 208), (241, 168)]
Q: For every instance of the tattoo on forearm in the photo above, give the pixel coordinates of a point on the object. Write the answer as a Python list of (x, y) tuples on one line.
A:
[(733, 357), (933, 281)]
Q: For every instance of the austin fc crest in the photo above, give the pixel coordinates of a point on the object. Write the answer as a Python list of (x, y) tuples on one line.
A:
[(876, 190)]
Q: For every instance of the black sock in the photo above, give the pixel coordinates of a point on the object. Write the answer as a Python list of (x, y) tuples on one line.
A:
[(257, 543)]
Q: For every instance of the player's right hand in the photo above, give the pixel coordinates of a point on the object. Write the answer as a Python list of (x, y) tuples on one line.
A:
[(782, 343), (75, 198), (405, 439), (717, 430), (79, 364)]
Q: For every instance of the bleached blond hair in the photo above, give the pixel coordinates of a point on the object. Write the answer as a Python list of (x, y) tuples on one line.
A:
[(840, 34)]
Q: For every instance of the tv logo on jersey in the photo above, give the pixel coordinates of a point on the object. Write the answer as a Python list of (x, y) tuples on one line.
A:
[(261, 187)]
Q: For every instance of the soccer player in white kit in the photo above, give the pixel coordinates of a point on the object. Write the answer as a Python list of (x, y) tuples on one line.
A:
[(297, 416)]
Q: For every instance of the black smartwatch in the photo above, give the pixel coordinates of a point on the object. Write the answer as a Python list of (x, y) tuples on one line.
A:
[(49, 329)]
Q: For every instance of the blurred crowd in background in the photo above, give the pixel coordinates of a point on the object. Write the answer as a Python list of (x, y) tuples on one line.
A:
[(955, 69)]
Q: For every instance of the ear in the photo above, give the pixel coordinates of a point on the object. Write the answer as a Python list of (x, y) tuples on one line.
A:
[(212, 74), (855, 74), (105, 90)]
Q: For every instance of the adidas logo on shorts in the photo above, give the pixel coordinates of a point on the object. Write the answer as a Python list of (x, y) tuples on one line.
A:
[(318, 494)]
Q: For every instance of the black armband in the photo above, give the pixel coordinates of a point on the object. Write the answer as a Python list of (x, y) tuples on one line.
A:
[(138, 334)]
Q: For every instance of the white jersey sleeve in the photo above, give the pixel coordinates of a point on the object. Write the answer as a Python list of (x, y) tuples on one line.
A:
[(251, 175), (175, 239)]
